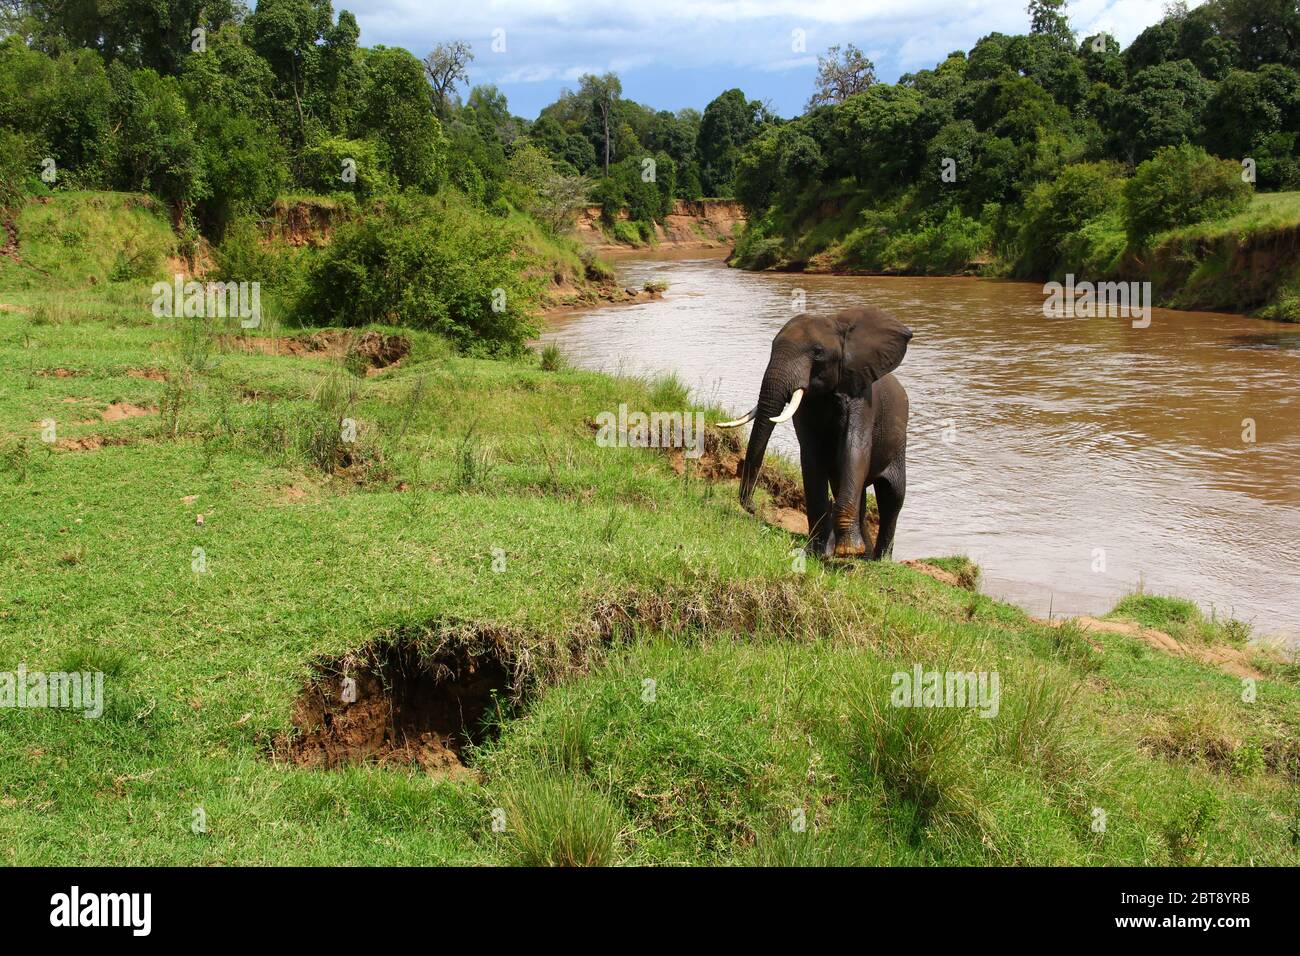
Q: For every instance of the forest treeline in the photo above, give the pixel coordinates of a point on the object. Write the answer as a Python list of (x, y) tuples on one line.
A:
[(1036, 154), (218, 111), (1035, 151)]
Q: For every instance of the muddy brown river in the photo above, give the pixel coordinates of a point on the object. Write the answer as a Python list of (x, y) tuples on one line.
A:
[(1043, 449)]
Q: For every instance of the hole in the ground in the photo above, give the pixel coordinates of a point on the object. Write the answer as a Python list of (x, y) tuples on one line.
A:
[(395, 704)]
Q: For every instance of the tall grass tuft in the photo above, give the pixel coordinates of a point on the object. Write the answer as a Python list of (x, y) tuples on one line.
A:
[(552, 359), (669, 393), (473, 461), (559, 821), (922, 756)]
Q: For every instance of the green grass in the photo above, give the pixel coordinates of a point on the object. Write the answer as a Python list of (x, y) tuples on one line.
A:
[(77, 239), (1181, 619), (688, 697), (1266, 212)]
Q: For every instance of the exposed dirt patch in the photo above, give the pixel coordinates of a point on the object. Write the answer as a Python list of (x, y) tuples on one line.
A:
[(396, 704), (9, 248), (789, 519), (90, 442), (703, 223), (301, 223), (118, 411), (152, 374), (371, 350), (936, 572), (380, 351), (297, 491), (1233, 660), (57, 372)]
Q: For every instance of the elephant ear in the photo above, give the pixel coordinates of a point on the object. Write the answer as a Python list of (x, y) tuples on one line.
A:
[(874, 345)]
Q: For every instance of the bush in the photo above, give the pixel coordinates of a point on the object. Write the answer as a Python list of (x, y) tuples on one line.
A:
[(1178, 186), (16, 156), (325, 164), (560, 821), (243, 256), (942, 248), (755, 249), (632, 232), (244, 165), (551, 358), (1056, 210), (428, 264)]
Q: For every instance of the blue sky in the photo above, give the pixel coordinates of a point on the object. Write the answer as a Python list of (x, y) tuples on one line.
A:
[(675, 53)]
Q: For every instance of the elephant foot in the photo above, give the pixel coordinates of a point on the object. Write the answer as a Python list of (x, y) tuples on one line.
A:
[(824, 549), (850, 544)]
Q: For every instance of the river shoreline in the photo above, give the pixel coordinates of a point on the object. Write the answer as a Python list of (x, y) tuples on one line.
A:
[(1035, 547)]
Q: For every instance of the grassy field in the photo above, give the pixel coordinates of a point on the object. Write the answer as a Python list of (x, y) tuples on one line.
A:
[(679, 687)]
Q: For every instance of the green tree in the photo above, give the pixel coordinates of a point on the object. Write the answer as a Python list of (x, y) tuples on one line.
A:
[(398, 114), (729, 122), (1161, 106), (157, 148), (289, 35), (1180, 185), (602, 93), (1047, 18)]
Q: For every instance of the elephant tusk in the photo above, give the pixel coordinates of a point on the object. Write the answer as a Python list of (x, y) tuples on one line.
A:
[(788, 412), (744, 419)]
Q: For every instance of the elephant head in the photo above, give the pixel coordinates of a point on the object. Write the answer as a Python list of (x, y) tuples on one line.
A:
[(844, 354)]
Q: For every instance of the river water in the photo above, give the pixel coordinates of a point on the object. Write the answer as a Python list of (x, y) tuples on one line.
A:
[(1075, 460)]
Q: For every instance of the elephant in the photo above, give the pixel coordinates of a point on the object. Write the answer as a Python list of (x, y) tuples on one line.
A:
[(833, 376)]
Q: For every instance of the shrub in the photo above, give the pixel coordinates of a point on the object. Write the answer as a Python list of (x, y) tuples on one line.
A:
[(1057, 209), (428, 264), (628, 232), (668, 391), (242, 256), (244, 165), (941, 248), (1181, 185), (755, 249), (325, 164), (16, 156), (595, 268)]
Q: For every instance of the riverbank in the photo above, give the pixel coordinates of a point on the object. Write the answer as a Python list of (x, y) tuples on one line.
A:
[(1247, 263), (650, 675), (1089, 405), (693, 224)]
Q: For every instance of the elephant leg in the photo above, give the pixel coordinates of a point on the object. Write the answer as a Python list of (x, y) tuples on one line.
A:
[(854, 455), (817, 505), (866, 525), (890, 489), (816, 487)]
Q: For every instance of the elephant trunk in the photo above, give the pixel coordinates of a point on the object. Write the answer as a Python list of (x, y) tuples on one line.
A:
[(779, 383)]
